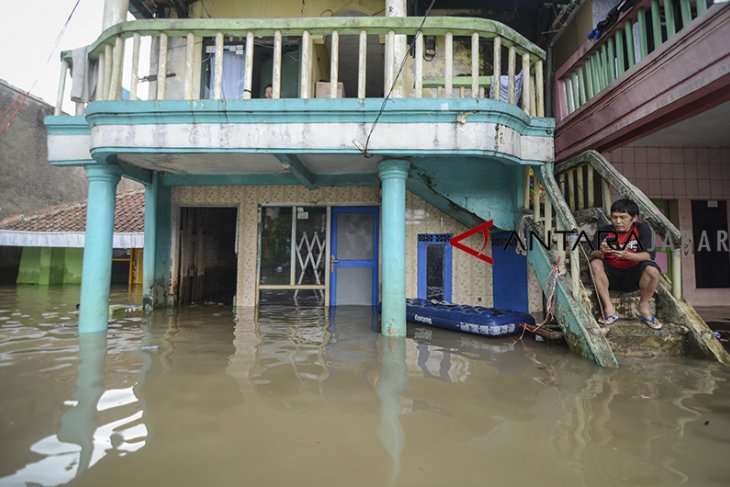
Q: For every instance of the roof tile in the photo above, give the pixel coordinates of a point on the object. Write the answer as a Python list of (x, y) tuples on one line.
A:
[(71, 217)]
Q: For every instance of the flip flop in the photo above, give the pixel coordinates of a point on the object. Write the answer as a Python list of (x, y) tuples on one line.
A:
[(652, 322), (609, 320)]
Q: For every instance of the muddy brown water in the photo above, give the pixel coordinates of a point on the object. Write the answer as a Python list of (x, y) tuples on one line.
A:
[(210, 396)]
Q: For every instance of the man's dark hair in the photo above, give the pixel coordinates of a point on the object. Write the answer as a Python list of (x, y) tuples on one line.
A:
[(625, 206)]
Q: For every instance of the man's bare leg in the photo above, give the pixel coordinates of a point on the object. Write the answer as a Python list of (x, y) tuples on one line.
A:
[(600, 279), (647, 284)]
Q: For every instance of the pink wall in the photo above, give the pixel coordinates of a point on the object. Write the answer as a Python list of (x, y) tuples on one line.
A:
[(676, 172), (682, 174)]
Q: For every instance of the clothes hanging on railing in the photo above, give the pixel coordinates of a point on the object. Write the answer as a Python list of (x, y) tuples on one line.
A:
[(504, 87), (83, 76), (611, 18)]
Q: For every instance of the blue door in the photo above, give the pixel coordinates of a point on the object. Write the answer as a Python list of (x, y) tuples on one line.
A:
[(509, 274), (354, 258), (434, 266)]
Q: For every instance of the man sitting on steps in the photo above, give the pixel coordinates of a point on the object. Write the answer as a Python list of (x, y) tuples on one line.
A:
[(623, 261)]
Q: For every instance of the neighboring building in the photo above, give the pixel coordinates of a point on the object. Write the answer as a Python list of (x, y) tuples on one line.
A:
[(51, 243), (660, 117), (328, 192), (28, 183)]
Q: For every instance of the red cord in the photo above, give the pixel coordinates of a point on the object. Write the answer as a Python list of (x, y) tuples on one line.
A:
[(554, 273), (20, 99)]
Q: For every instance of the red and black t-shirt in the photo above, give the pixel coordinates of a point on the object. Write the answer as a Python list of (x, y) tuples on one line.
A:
[(639, 238)]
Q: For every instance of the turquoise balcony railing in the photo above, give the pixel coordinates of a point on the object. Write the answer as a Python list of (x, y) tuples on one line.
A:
[(309, 57)]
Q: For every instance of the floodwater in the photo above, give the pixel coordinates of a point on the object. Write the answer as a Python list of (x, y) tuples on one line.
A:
[(296, 397)]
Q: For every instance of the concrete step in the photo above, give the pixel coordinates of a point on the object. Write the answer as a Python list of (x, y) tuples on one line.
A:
[(626, 303), (632, 338)]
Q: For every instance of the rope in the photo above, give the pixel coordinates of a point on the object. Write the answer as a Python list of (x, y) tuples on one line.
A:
[(555, 273)]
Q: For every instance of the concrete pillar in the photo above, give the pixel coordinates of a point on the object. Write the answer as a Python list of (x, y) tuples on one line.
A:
[(397, 8), (150, 242), (115, 11), (393, 174), (97, 270)]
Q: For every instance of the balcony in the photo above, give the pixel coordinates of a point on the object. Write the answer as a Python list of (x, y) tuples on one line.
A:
[(661, 62), (188, 96)]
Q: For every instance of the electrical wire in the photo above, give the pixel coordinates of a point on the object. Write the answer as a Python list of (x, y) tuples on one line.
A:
[(395, 80), (202, 2), (22, 98)]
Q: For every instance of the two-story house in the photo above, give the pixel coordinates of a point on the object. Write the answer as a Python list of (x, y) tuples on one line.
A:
[(326, 152)]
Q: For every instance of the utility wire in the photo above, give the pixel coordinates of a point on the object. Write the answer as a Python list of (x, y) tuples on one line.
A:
[(23, 97), (419, 31), (202, 2)]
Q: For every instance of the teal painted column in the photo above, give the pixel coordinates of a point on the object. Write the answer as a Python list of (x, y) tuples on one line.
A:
[(150, 243), (97, 270), (393, 174)]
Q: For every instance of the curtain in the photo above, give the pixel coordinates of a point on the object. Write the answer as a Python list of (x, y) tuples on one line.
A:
[(234, 63)]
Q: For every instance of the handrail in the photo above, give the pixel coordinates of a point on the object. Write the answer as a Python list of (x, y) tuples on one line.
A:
[(562, 210), (572, 181), (597, 64), (582, 330), (555, 223), (649, 212), (563, 218)]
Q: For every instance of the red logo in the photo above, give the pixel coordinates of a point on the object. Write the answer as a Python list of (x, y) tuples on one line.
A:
[(484, 228)]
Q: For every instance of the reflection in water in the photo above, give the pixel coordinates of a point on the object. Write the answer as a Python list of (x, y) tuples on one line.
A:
[(298, 396), (391, 383), (78, 424), (81, 440)]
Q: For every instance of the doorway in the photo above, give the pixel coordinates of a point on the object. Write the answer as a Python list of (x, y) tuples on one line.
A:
[(208, 263), (509, 274), (354, 257), (434, 267), (711, 250)]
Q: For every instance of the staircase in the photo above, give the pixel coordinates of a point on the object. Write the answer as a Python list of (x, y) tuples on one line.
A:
[(629, 337), (567, 204)]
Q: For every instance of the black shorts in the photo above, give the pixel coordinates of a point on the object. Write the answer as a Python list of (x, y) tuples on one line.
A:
[(627, 279)]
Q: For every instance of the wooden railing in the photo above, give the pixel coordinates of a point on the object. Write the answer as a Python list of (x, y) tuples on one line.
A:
[(589, 175), (486, 50), (543, 198), (582, 183), (636, 34)]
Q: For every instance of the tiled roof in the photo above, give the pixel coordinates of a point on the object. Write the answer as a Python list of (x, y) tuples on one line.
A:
[(71, 217)]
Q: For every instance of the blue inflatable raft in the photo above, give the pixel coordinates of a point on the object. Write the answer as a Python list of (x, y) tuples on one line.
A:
[(470, 319)]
